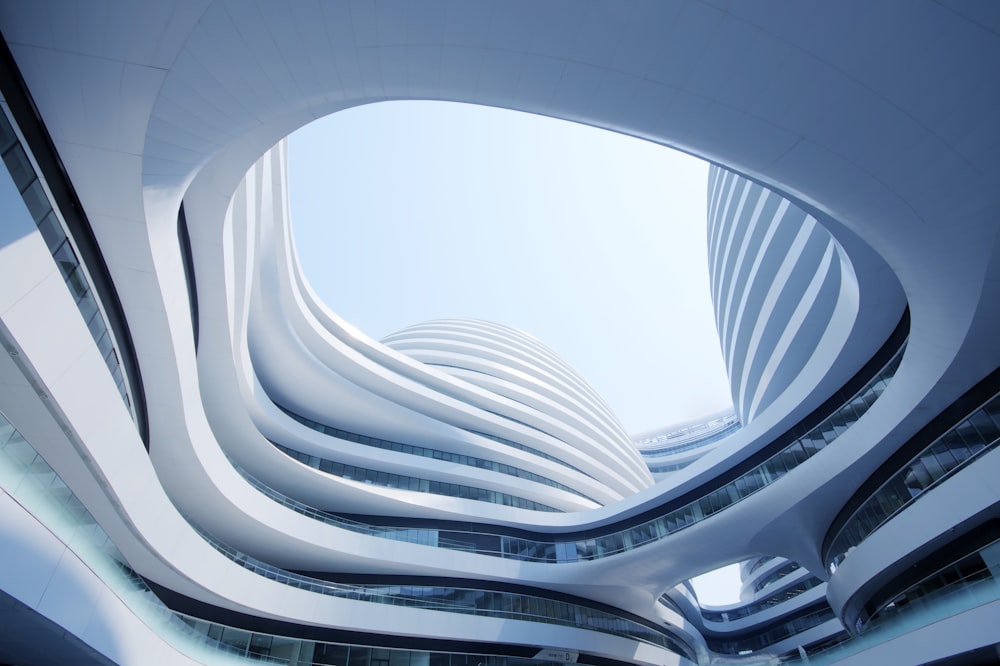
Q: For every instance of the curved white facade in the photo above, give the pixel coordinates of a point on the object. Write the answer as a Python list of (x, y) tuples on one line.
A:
[(780, 284), (521, 370), (305, 482)]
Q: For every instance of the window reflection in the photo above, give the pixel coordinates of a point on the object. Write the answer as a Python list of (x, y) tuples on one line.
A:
[(973, 436)]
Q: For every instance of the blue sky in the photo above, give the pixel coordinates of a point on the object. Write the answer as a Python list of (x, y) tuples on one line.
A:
[(591, 241)]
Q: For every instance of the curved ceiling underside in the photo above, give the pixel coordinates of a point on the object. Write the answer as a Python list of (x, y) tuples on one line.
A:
[(880, 120)]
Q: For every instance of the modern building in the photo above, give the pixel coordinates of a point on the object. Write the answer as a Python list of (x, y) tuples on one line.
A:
[(202, 463), (668, 450)]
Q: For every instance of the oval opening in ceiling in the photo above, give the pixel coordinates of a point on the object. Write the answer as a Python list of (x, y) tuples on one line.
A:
[(589, 240)]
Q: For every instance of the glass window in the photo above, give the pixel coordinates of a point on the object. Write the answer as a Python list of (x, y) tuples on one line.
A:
[(777, 468), (36, 201), (886, 505), (323, 653), (116, 371), (812, 444), (104, 344), (399, 658), (359, 656), (933, 466), (236, 639), (957, 446), (88, 308), (917, 477), (858, 406), (964, 431), (943, 455), (260, 645), (77, 284), (7, 136), (992, 408), (51, 231), (19, 166), (793, 455), (837, 422), (65, 258), (438, 659), (985, 426)]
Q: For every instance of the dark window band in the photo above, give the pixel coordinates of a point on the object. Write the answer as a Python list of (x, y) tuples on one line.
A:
[(425, 452), (960, 435), (482, 600), (29, 121), (412, 483)]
